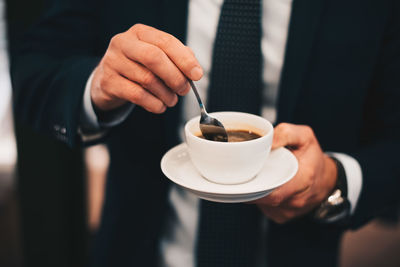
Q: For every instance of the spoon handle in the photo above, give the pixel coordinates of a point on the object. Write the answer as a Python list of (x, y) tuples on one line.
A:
[(197, 96)]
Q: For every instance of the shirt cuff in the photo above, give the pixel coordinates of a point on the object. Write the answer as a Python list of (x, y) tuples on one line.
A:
[(89, 119), (353, 177), (93, 126)]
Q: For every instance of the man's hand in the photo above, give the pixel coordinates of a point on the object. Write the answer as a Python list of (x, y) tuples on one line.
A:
[(146, 67), (314, 181)]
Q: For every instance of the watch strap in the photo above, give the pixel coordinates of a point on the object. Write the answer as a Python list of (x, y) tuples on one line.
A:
[(341, 182), (336, 208)]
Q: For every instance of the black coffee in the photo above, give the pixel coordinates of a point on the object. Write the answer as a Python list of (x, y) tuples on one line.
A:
[(239, 135)]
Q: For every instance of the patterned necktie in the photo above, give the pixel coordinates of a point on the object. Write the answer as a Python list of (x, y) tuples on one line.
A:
[(229, 233)]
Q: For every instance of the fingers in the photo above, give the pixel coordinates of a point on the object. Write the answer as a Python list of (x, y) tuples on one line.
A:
[(180, 55), (157, 64), (154, 59), (287, 209), (287, 213), (298, 185), (275, 215), (143, 76), (315, 179), (134, 93), (286, 134), (281, 215)]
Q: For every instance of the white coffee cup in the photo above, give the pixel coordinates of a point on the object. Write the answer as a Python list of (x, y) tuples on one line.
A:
[(230, 162)]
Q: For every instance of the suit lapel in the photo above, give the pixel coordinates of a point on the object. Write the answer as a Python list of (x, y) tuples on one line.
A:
[(302, 30)]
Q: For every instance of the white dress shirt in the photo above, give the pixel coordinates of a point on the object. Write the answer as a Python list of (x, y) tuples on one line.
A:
[(178, 243)]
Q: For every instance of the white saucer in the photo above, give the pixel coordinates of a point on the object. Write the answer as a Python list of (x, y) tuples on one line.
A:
[(280, 167)]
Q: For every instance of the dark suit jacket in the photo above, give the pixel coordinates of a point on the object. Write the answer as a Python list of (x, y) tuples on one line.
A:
[(340, 76), (53, 233)]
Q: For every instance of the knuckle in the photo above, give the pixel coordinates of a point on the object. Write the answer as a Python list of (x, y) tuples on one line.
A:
[(137, 27), (151, 56), (138, 96), (275, 200), (309, 174), (310, 181), (178, 82), (308, 131), (298, 203), (109, 59), (283, 126), (167, 40), (148, 79), (105, 81), (116, 40), (283, 130), (108, 96), (190, 62)]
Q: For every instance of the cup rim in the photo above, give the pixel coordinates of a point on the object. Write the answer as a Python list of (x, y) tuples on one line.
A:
[(260, 139)]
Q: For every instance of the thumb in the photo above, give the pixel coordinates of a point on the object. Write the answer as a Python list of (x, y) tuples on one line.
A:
[(286, 134)]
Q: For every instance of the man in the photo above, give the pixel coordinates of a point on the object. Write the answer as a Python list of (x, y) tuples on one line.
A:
[(330, 65)]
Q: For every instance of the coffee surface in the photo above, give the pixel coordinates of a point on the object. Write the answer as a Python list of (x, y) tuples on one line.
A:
[(239, 135)]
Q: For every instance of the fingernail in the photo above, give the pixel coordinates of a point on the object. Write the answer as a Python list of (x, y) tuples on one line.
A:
[(196, 73)]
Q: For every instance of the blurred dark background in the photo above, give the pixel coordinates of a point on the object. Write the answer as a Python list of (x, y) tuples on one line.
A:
[(50, 200), (44, 221)]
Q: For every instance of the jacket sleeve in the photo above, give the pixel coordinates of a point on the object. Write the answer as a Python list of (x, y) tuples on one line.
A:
[(379, 158), (50, 67)]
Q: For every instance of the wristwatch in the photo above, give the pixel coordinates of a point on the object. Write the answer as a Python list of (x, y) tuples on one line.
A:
[(336, 208)]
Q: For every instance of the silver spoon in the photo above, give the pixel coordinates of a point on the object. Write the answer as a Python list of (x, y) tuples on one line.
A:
[(211, 128)]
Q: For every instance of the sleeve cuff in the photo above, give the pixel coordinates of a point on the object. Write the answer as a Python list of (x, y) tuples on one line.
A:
[(89, 119), (92, 125), (353, 176)]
